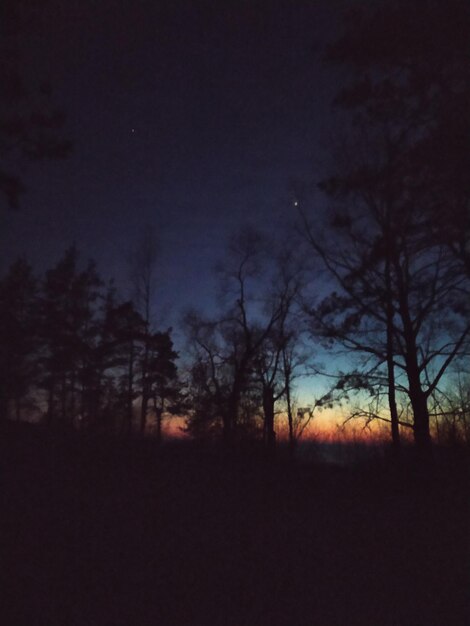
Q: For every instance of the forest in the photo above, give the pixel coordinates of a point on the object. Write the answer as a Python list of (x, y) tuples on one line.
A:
[(378, 273), (153, 474)]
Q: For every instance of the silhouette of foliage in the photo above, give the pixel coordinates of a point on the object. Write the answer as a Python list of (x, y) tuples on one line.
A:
[(244, 358), (398, 267), (73, 352), (30, 127), (18, 339)]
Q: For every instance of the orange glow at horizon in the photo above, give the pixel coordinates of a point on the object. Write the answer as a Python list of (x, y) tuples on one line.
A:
[(326, 426)]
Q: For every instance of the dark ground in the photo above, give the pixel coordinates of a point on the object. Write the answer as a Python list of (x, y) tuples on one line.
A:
[(96, 535)]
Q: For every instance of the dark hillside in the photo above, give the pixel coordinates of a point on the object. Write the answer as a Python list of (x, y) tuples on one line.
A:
[(102, 534)]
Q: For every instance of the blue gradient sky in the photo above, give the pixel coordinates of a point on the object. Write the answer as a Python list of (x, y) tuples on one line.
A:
[(190, 117)]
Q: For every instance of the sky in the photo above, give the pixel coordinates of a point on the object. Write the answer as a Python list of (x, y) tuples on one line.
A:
[(188, 118)]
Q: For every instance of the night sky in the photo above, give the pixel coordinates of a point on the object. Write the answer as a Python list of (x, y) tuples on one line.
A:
[(189, 118)]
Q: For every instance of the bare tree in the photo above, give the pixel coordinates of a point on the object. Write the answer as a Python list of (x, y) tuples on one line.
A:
[(399, 288), (241, 350), (143, 265)]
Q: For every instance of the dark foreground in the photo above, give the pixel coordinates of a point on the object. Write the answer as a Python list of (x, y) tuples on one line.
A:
[(99, 536)]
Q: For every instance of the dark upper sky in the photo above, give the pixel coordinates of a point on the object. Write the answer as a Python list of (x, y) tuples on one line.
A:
[(191, 117)]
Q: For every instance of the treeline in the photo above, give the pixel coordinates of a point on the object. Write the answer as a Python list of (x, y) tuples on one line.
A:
[(377, 273), (396, 241), (247, 355), (73, 353), (385, 256)]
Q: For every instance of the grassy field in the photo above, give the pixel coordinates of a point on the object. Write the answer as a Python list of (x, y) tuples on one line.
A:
[(97, 534)]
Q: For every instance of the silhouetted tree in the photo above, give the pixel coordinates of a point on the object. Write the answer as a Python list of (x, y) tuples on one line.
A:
[(163, 384), (210, 376), (411, 74), (278, 356), (83, 347), (143, 268), (126, 328), (29, 128), (97, 377), (395, 277), (238, 355), (18, 337), (68, 332)]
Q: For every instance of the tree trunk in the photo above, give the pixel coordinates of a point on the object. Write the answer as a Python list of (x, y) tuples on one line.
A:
[(230, 418), (396, 444), (144, 409), (145, 386), (130, 390), (268, 409), (417, 396), (390, 365), (159, 418), (290, 417), (421, 432), (393, 405)]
